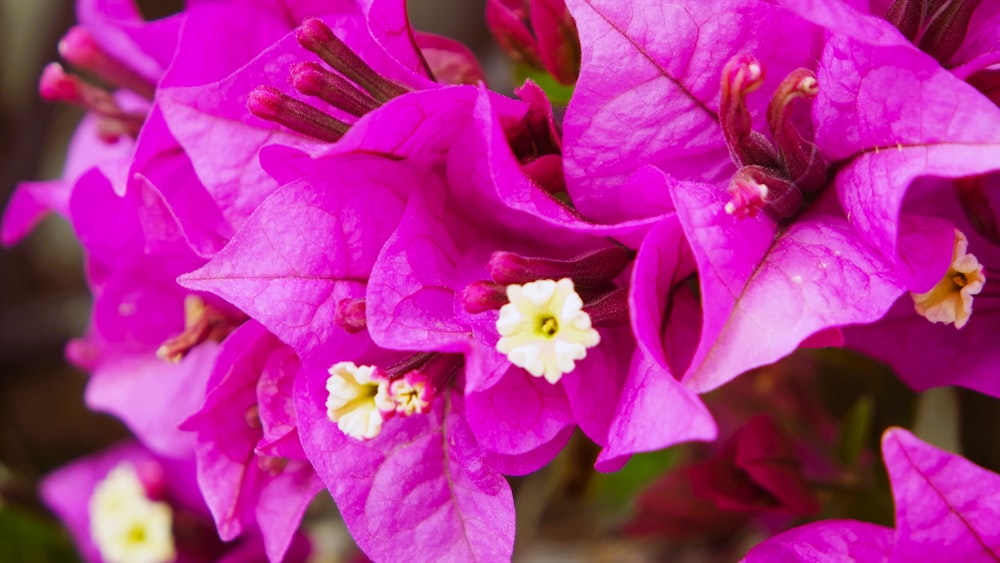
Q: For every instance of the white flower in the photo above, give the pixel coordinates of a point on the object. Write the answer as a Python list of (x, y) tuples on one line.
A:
[(126, 526), (357, 397), (544, 328), (950, 301)]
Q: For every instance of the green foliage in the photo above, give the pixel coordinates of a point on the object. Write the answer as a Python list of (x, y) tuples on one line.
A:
[(558, 94), (855, 431), (618, 490), (27, 538)]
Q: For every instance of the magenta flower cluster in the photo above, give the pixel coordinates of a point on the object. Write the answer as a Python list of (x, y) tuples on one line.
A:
[(324, 255)]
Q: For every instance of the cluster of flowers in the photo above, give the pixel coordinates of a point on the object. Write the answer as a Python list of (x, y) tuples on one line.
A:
[(324, 254)]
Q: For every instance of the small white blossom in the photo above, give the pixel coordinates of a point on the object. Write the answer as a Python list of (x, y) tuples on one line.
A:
[(950, 301), (544, 328), (357, 398), (126, 526)]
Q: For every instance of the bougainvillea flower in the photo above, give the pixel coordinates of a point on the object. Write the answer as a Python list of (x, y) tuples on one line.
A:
[(348, 206), (246, 489), (926, 354), (204, 218), (113, 43), (788, 263), (437, 294), (393, 165), (126, 504), (352, 200), (946, 509), (283, 96), (139, 310), (419, 489)]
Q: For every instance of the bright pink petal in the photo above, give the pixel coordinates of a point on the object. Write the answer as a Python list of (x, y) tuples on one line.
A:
[(936, 126), (666, 318), (648, 91), (29, 205), (419, 491), (518, 417), (654, 412), (136, 387), (245, 491), (833, 541), (947, 508), (280, 271), (277, 409), (118, 27), (766, 291)]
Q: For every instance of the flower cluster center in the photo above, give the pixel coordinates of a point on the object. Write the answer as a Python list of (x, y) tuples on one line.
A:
[(773, 174)]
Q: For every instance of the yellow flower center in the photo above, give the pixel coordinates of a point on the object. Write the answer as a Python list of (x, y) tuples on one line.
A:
[(549, 326)]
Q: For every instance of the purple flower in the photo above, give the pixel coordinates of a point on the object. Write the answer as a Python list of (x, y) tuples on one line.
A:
[(310, 291), (127, 504), (479, 237), (381, 265), (149, 340), (223, 119), (251, 468), (113, 43), (957, 349), (946, 509), (780, 260)]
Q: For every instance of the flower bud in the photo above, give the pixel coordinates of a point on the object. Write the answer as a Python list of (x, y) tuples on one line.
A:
[(539, 33)]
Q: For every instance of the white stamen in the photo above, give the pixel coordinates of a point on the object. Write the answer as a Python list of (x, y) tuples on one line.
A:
[(544, 328), (357, 397), (950, 301), (125, 525)]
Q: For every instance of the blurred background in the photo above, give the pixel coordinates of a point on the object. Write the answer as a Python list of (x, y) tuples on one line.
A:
[(565, 512)]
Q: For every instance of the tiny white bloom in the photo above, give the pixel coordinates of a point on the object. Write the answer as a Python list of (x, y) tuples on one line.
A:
[(544, 328), (950, 301), (126, 526), (357, 397)]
